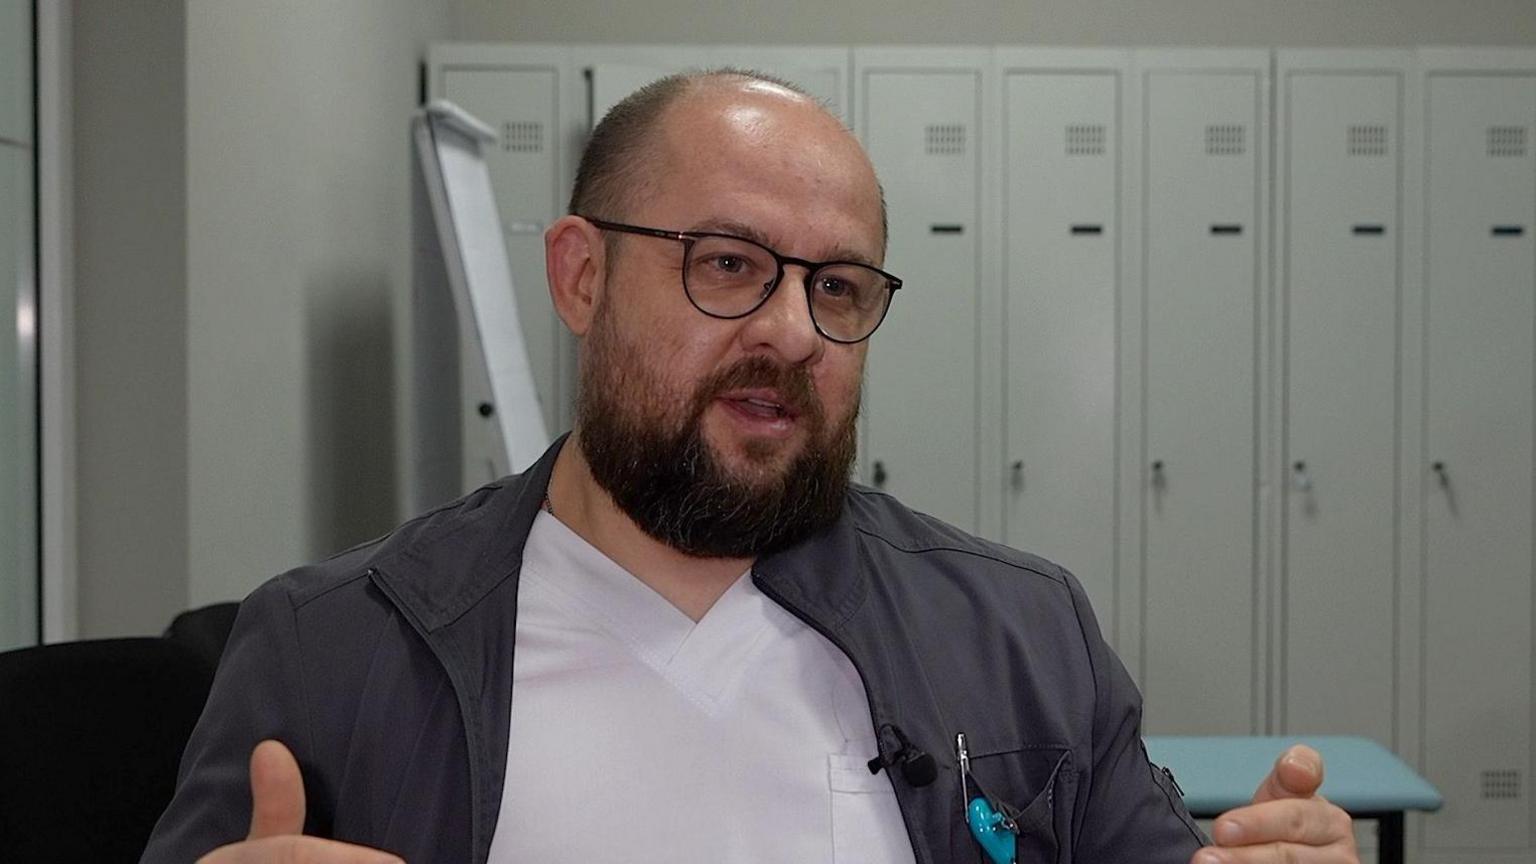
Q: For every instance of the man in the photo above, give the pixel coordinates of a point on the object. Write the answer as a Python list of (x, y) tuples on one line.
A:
[(718, 642)]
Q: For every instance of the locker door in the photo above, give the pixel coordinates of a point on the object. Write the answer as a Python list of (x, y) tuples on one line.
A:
[(522, 106), (611, 82), (920, 397), (1061, 230), (1201, 134), (1341, 203), (1480, 314)]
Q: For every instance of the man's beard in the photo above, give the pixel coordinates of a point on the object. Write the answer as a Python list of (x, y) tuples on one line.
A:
[(651, 456)]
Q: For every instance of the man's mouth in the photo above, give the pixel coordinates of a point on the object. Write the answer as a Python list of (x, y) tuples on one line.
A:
[(767, 405)]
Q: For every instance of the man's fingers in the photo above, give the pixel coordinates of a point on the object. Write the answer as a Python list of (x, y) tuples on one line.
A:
[(1278, 853), (1297, 774), (1312, 821), (295, 849), (277, 792)]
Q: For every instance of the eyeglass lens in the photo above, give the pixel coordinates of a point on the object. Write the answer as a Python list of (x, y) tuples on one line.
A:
[(730, 277)]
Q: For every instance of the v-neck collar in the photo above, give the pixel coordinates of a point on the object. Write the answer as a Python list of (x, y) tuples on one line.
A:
[(705, 660)]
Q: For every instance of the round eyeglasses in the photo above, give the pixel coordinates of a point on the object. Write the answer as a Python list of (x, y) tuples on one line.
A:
[(726, 276)]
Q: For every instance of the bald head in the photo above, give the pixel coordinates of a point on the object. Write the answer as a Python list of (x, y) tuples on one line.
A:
[(657, 133)]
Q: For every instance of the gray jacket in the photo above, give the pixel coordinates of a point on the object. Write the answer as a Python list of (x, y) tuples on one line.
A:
[(388, 671)]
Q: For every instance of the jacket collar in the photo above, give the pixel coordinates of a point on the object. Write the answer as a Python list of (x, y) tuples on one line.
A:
[(439, 575)]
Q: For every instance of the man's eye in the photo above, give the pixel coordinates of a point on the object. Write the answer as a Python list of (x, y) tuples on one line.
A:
[(833, 287), (729, 263)]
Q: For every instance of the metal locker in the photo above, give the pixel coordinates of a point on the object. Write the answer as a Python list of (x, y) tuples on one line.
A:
[(1340, 184), (1061, 234), (611, 82), (921, 128), (522, 105), (1480, 314), (1202, 133)]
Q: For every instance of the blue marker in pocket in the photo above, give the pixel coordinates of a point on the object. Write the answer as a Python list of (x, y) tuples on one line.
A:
[(997, 834)]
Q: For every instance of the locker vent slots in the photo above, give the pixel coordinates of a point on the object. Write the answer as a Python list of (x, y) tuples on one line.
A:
[(944, 139), (522, 136), (1085, 139), (1226, 139), (1367, 140), (1502, 784), (1506, 141)]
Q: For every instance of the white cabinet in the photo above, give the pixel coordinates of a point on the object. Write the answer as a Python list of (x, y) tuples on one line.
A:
[(1340, 282), (1203, 137), (921, 127), (1480, 315), (1062, 283)]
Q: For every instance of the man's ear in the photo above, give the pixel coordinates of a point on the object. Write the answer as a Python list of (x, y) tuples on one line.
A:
[(574, 255)]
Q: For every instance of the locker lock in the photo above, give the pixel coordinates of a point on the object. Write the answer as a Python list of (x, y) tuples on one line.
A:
[(1440, 473), (486, 409), (1016, 474), (1300, 477), (879, 476)]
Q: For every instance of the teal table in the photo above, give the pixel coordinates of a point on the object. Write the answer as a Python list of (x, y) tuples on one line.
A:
[(1217, 774)]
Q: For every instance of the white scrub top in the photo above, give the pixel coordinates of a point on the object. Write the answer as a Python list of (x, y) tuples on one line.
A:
[(638, 735)]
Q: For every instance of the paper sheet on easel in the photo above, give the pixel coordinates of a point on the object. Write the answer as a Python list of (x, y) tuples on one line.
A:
[(487, 279)]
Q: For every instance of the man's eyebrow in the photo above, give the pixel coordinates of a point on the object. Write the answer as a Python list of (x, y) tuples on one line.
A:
[(747, 232)]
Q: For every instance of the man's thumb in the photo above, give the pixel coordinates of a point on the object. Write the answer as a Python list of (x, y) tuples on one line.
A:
[(1297, 774), (277, 792)]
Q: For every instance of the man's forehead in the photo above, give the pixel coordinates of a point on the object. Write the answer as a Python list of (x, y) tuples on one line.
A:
[(766, 145)]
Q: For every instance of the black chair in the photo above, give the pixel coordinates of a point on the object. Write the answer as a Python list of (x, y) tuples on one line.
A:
[(90, 737), (204, 631)]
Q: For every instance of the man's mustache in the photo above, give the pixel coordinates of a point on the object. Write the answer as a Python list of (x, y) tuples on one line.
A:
[(793, 384)]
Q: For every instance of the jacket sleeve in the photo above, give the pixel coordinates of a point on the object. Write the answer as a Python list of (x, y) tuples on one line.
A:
[(1134, 813), (257, 693)]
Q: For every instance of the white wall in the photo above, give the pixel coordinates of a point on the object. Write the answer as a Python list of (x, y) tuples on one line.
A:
[(297, 260), (130, 315), (1036, 22), (242, 197)]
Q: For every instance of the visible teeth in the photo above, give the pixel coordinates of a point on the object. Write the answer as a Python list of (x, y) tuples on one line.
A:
[(764, 404)]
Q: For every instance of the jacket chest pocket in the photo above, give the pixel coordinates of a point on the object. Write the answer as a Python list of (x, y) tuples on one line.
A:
[(1033, 786)]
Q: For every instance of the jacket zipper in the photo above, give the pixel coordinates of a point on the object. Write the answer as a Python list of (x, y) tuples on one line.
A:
[(921, 852), (458, 693)]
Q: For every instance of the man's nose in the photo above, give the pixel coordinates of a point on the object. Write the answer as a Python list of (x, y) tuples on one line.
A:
[(783, 324)]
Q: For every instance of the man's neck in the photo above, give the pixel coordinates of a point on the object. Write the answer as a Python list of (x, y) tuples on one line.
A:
[(689, 583)]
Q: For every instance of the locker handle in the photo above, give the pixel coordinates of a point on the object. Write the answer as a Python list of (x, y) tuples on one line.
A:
[(1370, 230), (1016, 474), (880, 476), (1301, 478), (1228, 230), (947, 229), (1088, 229), (1441, 474), (1508, 230)]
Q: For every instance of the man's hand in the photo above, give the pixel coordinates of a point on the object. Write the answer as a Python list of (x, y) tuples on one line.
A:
[(1287, 823), (277, 821)]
